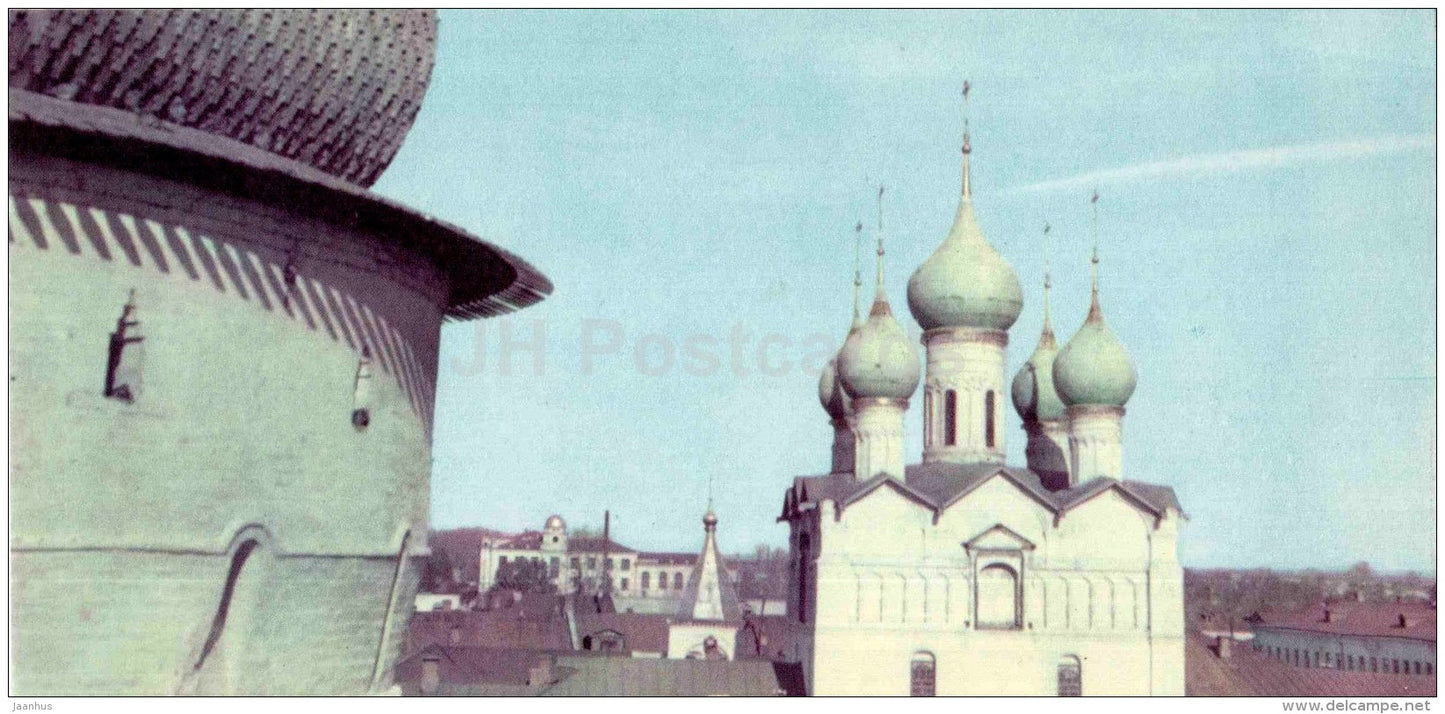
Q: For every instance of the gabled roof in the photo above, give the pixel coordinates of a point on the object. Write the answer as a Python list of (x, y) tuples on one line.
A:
[(643, 633), (939, 485)]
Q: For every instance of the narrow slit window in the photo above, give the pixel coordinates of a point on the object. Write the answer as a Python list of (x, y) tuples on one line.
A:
[(950, 418), (123, 365), (988, 426)]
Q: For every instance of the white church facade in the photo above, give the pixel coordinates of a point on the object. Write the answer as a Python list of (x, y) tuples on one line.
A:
[(962, 575)]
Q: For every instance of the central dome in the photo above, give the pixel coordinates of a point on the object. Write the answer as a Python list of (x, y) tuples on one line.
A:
[(965, 283), (334, 89)]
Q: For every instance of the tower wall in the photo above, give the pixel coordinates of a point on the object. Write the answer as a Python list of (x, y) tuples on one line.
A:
[(878, 425), (844, 446), (125, 517), (1048, 453), (1096, 441), (969, 361)]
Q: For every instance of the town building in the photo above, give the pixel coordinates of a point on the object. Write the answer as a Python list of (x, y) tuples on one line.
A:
[(640, 581), (223, 348), (964, 575), (1379, 638)]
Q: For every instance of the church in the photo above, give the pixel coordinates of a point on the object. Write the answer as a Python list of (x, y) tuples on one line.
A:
[(962, 574)]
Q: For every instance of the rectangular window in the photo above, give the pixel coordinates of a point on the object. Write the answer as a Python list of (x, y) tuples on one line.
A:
[(554, 566), (591, 563), (576, 563), (624, 583), (626, 564)]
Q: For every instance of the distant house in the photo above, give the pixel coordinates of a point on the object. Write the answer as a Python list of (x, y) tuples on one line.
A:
[(1375, 638), (477, 671), (532, 622), (438, 670)]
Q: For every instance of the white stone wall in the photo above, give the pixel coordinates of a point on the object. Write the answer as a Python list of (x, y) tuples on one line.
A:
[(878, 426), (1103, 584), (969, 361), (123, 516), (1096, 442)]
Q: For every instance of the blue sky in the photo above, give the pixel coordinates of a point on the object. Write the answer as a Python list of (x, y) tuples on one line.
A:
[(689, 180)]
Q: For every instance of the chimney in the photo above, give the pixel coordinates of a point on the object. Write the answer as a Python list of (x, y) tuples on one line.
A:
[(431, 675), (1224, 647), (1405, 621), (1329, 615), (540, 673)]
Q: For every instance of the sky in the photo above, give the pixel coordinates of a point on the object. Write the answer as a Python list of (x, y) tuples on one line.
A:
[(690, 181)]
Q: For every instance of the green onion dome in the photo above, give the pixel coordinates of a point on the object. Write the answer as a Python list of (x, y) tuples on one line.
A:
[(878, 360), (965, 283), (1033, 388), (1094, 368)]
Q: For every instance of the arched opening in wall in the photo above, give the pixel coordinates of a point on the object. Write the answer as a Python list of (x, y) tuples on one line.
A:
[(804, 556), (998, 598), (927, 417), (221, 667), (1071, 677), (988, 425), (922, 679), (389, 619), (950, 418)]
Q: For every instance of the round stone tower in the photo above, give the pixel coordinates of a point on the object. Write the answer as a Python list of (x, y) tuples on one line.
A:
[(223, 348)]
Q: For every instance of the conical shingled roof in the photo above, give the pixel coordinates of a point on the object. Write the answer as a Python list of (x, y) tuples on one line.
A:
[(709, 594)]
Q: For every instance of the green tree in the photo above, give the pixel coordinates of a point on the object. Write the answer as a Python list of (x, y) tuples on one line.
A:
[(525, 575)]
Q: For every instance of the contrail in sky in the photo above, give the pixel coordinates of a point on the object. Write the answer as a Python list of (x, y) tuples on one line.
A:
[(1235, 161)]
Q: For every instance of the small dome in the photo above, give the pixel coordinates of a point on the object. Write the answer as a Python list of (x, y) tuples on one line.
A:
[(709, 519), (1094, 368), (555, 523), (1033, 389), (878, 359), (830, 391), (965, 283)]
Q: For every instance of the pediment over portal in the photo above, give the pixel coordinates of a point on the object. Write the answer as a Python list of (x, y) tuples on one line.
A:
[(999, 537)]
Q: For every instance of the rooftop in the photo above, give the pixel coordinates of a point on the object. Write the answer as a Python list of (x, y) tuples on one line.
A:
[(1410, 620), (940, 484), (1246, 673)]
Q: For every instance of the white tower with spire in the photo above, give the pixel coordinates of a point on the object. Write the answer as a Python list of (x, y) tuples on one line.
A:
[(1038, 404), (834, 398), (965, 297), (878, 367), (1095, 378)]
